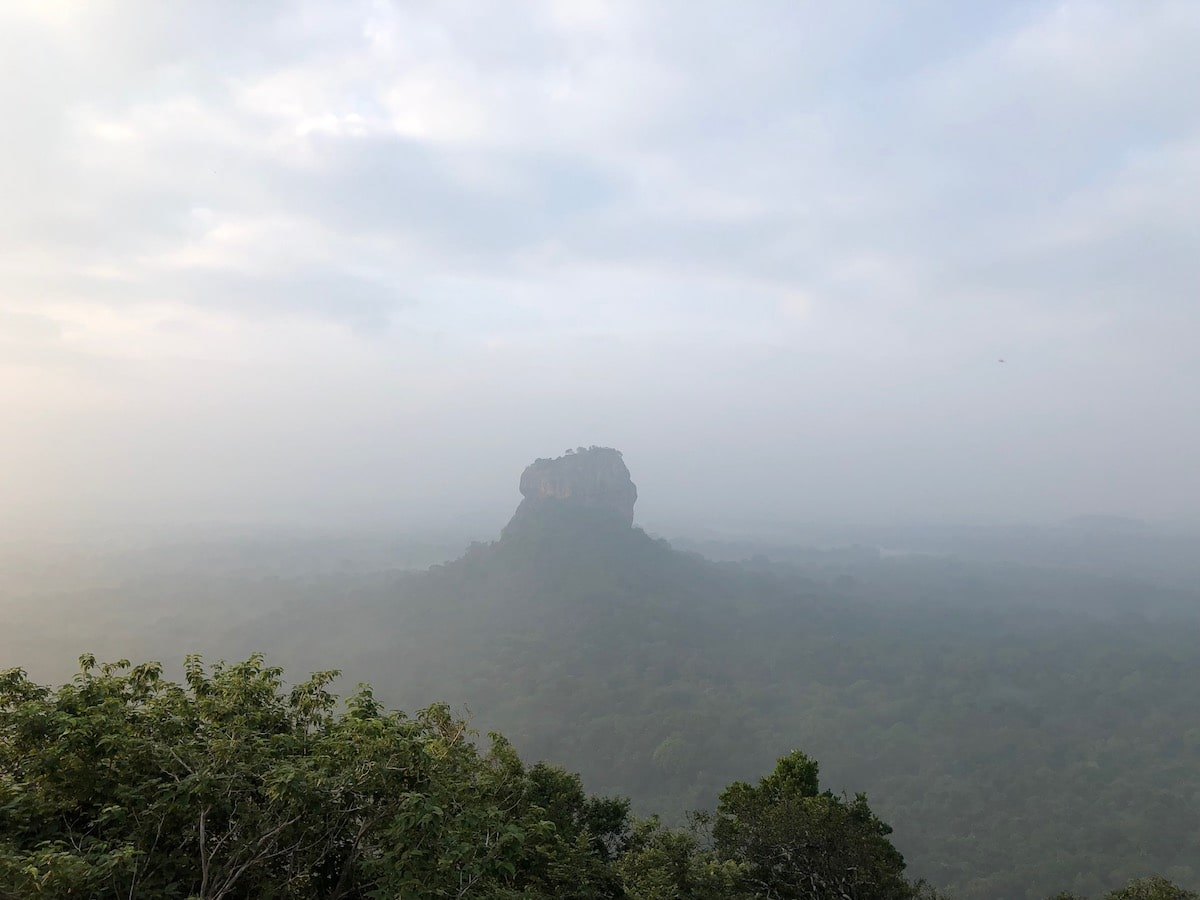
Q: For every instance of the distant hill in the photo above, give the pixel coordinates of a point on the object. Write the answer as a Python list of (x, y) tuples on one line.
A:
[(1024, 730)]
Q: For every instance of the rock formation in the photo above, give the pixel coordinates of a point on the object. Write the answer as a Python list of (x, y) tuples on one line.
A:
[(593, 478)]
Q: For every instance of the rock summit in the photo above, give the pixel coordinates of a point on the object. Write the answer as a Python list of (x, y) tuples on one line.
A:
[(591, 478)]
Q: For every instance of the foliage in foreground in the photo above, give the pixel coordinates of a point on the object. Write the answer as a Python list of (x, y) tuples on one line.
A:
[(229, 785), (124, 784)]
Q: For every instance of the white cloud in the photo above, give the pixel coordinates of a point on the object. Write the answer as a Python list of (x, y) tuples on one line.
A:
[(460, 204)]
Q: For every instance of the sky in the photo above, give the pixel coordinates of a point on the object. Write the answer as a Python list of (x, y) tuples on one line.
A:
[(355, 262)]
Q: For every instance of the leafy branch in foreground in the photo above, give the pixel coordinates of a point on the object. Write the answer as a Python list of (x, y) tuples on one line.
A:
[(230, 785), (124, 784)]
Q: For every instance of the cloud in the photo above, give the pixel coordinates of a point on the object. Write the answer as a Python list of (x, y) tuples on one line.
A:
[(804, 218)]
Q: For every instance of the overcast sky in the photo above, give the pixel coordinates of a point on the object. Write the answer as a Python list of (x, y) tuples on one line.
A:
[(351, 262)]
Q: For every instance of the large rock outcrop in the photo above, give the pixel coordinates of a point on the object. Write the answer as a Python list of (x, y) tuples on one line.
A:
[(593, 479)]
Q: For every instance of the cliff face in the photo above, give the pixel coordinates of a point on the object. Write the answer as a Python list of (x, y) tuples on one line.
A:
[(595, 478)]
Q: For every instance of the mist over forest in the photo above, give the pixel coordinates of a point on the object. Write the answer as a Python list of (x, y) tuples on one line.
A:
[(599, 449), (993, 691)]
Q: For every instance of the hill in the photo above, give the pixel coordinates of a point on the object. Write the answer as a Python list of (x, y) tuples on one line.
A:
[(1025, 731)]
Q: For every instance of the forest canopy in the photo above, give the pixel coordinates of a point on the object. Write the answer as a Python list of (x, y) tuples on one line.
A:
[(230, 784)]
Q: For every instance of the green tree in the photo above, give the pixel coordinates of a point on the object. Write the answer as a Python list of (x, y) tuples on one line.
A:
[(1153, 888), (669, 864), (230, 786), (795, 841)]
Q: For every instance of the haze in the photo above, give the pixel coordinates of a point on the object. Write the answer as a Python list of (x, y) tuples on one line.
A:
[(361, 262)]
